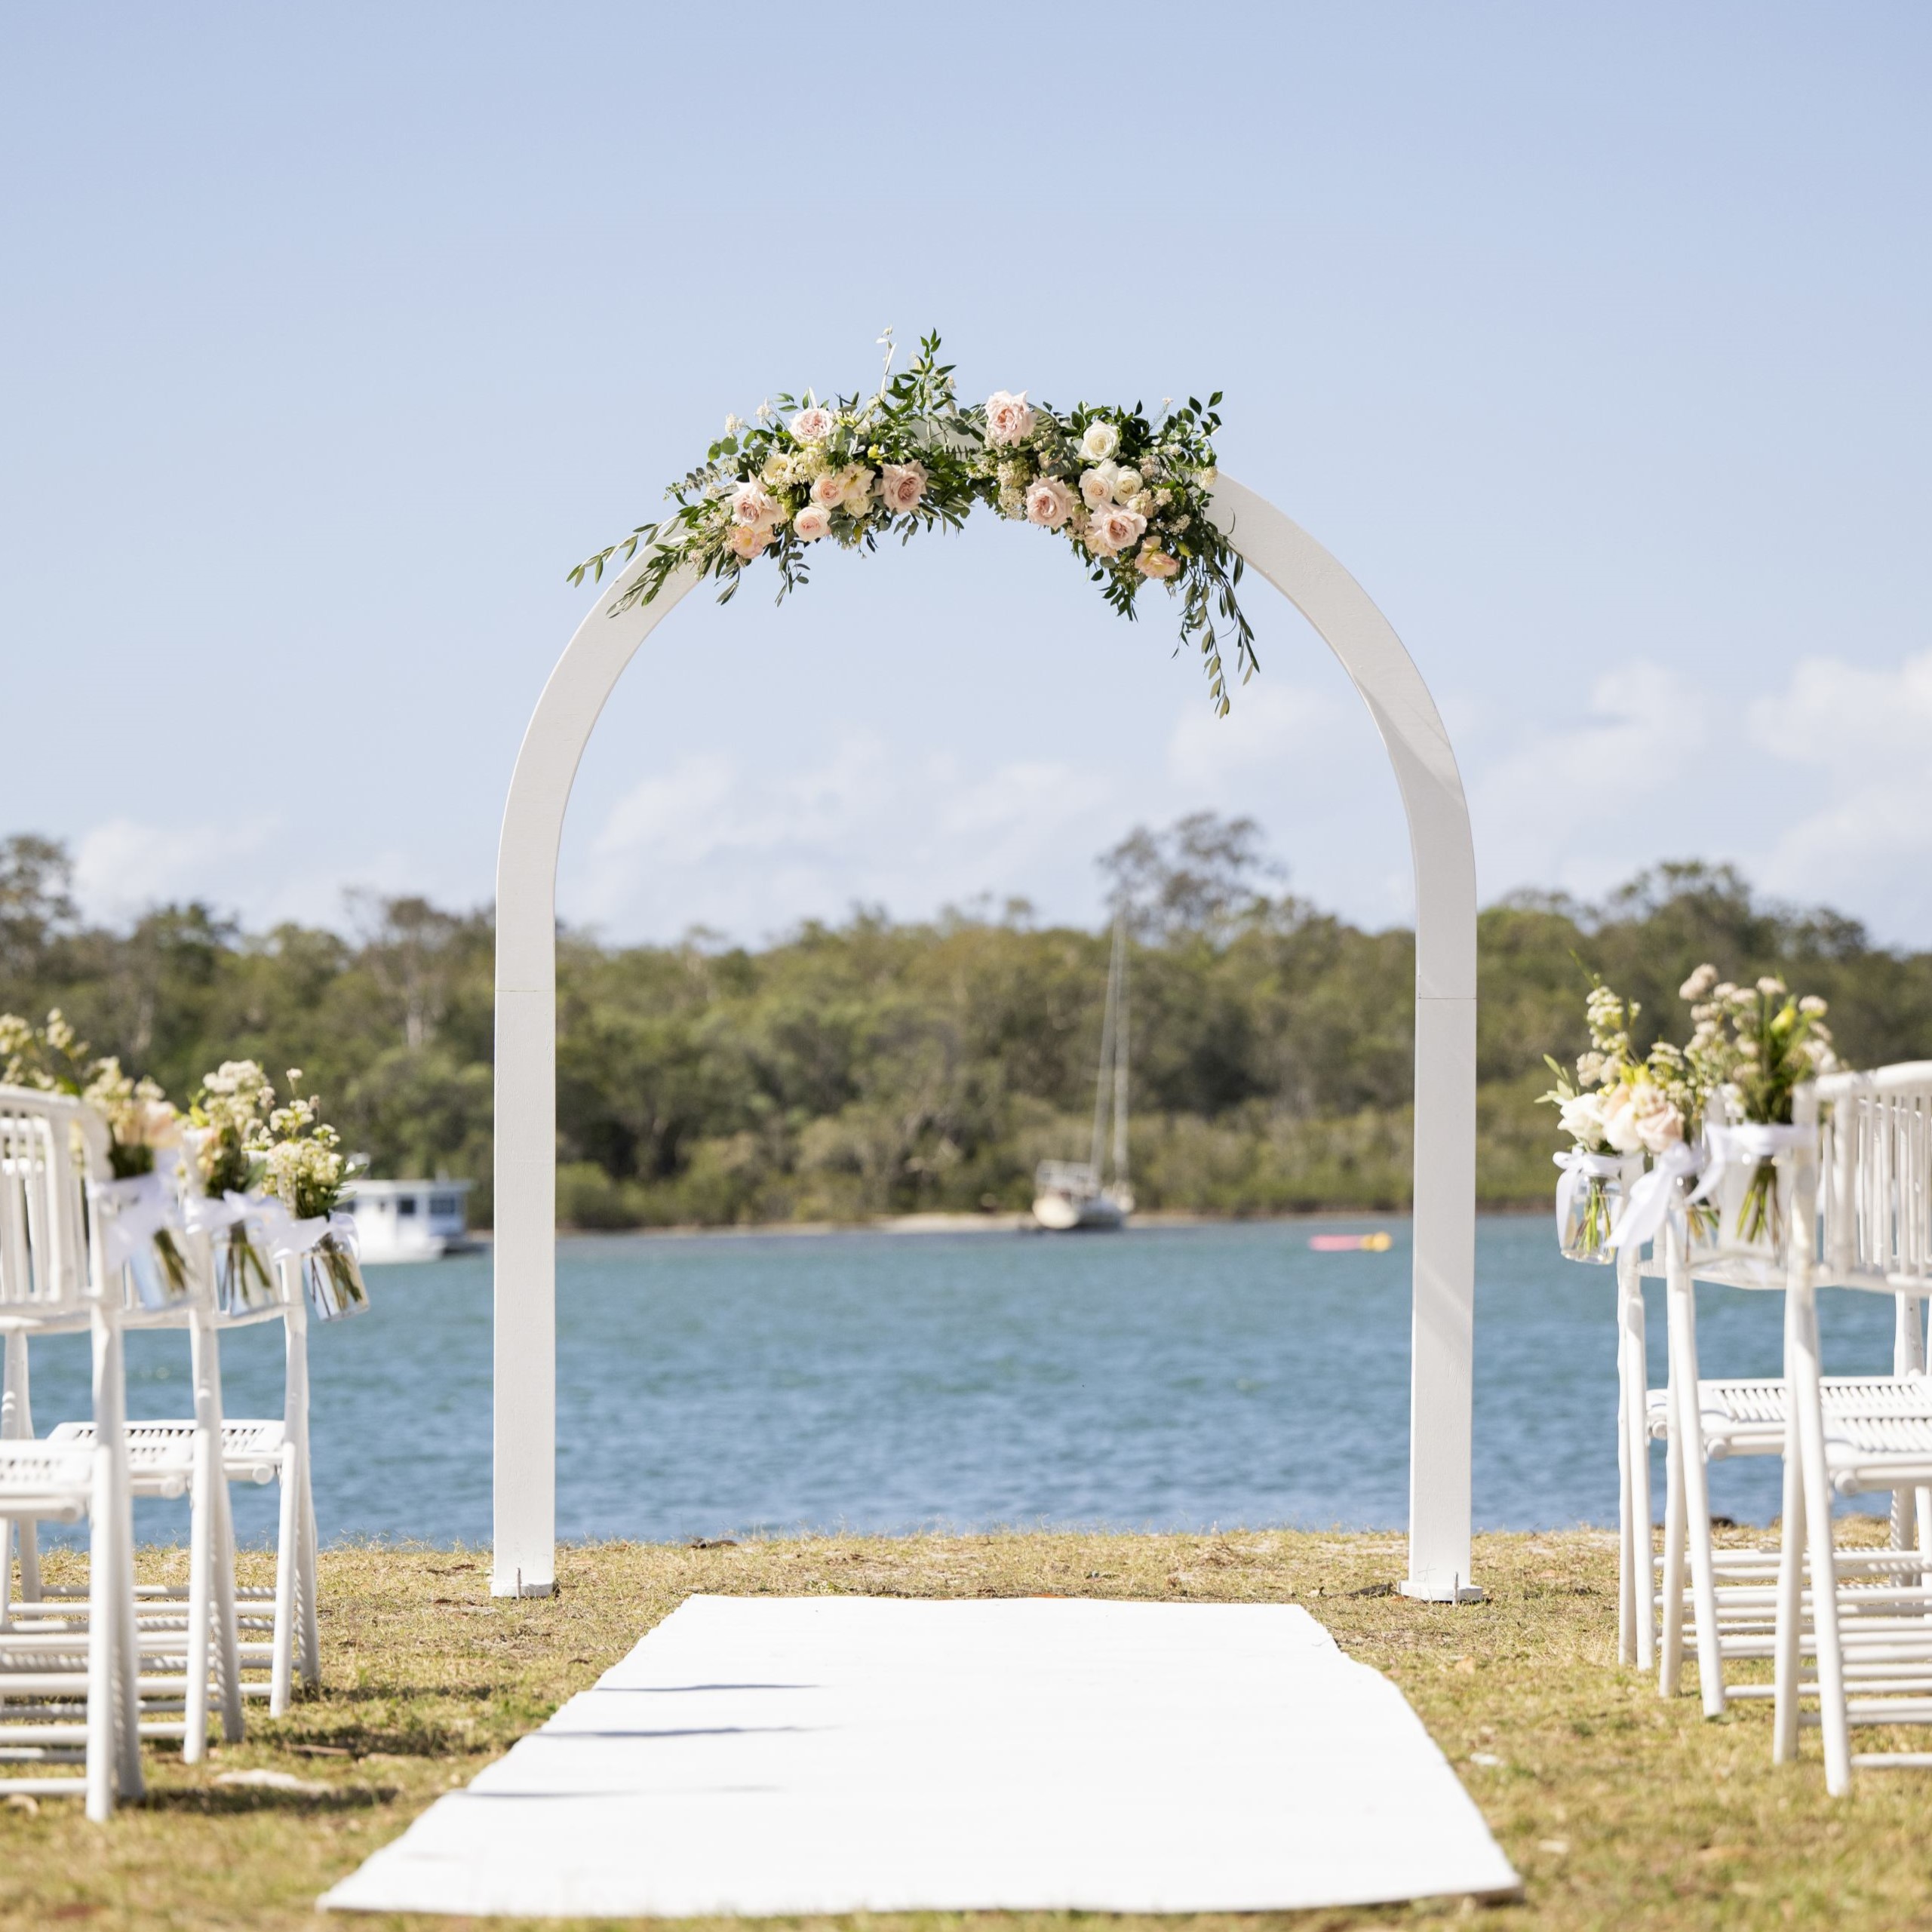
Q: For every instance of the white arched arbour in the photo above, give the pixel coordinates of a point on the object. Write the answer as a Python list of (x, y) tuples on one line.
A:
[(1444, 1224)]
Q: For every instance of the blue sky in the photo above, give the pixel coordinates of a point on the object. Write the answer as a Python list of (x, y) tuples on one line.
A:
[(1591, 340)]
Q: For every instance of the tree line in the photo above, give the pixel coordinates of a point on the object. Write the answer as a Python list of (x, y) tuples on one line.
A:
[(872, 1067)]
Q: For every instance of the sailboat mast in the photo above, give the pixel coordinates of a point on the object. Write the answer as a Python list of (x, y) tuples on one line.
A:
[(1101, 1080), (1120, 1049)]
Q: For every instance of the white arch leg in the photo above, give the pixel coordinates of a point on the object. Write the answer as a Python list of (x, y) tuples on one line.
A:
[(1411, 730)]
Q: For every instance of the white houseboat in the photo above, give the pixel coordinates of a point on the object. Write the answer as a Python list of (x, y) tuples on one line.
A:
[(411, 1221)]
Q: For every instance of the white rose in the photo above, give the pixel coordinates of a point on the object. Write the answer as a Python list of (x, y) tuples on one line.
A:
[(902, 485), (1113, 530), (747, 540), (811, 523), (1008, 419), (813, 424), (1126, 485), (1097, 485), (752, 505), (1100, 442), (1582, 1118), (1049, 503)]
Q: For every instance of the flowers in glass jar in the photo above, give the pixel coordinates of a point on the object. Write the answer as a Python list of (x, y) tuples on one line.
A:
[(1129, 493), (1759, 1042), (138, 1209), (305, 1171), (225, 1166)]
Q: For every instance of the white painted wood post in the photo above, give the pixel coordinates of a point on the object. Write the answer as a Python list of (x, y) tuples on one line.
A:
[(1442, 1365), (1445, 1226), (524, 1488)]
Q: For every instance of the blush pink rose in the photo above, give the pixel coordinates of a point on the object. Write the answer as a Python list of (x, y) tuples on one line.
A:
[(902, 485), (1152, 562), (811, 524), (1009, 418), (1049, 503), (813, 424), (752, 505), (748, 540), (1113, 530), (828, 492)]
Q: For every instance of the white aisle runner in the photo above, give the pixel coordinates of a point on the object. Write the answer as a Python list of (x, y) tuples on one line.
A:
[(784, 1755)]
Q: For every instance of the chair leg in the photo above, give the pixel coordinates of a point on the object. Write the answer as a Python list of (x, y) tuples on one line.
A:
[(16, 1424), (287, 1561), (1697, 1492), (1637, 1426), (200, 1594), (1626, 1521), (1805, 1395), (1670, 1662), (311, 1633), (228, 1634), (1789, 1644)]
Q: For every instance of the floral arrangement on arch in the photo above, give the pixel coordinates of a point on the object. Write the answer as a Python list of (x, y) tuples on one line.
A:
[(1127, 492)]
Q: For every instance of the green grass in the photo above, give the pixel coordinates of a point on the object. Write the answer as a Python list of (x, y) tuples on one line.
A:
[(1619, 1811)]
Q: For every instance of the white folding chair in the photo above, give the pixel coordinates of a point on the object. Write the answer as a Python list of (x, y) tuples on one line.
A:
[(70, 1688), (1721, 1604), (1870, 1613), (234, 1631)]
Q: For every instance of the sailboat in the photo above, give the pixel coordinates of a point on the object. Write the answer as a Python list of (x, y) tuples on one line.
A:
[(1069, 1196)]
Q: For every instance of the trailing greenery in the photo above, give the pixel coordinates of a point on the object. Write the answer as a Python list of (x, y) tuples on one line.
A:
[(870, 1067)]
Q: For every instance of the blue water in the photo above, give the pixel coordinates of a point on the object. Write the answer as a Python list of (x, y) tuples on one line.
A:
[(1163, 1377)]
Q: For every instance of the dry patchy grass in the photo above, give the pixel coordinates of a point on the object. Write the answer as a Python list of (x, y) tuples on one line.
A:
[(1619, 1811)]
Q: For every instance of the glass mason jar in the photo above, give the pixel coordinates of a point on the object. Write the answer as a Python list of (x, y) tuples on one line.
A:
[(141, 1237), (332, 1277), (1741, 1225), (243, 1278), (1589, 1197)]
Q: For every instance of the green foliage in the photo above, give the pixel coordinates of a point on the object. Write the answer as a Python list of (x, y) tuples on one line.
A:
[(870, 1068)]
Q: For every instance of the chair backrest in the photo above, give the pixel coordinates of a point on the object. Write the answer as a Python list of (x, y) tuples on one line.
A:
[(1876, 1191), (50, 1145)]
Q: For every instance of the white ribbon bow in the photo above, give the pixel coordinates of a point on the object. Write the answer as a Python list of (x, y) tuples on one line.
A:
[(1575, 1162), (1752, 1140), (1647, 1206), (142, 1207), (205, 1214), (289, 1238)]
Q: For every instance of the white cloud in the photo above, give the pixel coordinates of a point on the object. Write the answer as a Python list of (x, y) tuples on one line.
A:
[(748, 853), (1868, 733), (123, 867), (1583, 805)]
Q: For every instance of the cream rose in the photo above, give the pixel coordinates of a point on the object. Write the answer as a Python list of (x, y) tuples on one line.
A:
[(1097, 485), (747, 540), (1157, 563), (752, 505), (1009, 418), (1100, 442), (1621, 1128), (1049, 503), (902, 485), (813, 424), (1113, 530), (811, 523), (1127, 484)]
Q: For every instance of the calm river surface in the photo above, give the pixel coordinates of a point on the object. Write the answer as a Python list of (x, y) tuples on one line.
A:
[(1163, 1377)]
